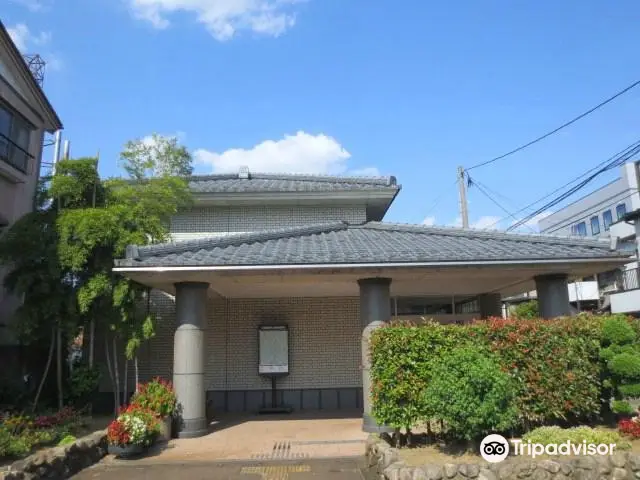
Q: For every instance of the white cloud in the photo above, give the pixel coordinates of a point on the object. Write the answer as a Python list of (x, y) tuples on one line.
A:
[(486, 221), (33, 5), (25, 39), (299, 153), (429, 221), (222, 18), (20, 35)]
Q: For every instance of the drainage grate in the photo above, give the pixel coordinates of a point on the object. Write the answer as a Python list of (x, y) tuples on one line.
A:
[(280, 451)]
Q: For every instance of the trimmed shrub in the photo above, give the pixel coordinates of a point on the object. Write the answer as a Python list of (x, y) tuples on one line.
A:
[(617, 330), (554, 366), (402, 359), (557, 435), (625, 366), (630, 390), (622, 407), (471, 394)]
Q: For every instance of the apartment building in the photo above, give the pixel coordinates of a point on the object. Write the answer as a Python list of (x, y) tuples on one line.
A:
[(604, 214), (25, 116)]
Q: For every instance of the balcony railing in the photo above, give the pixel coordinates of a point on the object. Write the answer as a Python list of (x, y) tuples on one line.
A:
[(14, 154), (630, 279)]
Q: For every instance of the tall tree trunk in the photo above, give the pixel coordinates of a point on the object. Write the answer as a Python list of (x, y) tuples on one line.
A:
[(110, 368), (125, 389), (92, 336), (59, 366), (115, 369), (46, 369), (135, 366)]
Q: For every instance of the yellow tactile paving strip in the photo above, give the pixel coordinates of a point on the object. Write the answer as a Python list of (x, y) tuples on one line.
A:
[(275, 472)]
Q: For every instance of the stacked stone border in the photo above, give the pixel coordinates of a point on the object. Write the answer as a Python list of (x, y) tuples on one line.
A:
[(60, 462), (385, 460)]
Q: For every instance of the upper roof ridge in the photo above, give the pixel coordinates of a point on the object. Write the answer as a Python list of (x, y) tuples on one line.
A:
[(303, 177)]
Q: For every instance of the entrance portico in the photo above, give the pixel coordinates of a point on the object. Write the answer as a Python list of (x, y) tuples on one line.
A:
[(225, 288)]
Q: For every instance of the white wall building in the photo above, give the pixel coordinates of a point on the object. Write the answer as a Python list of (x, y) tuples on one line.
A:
[(600, 215)]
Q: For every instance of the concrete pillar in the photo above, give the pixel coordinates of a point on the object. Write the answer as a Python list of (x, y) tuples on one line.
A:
[(553, 295), (375, 311), (188, 358), (490, 305)]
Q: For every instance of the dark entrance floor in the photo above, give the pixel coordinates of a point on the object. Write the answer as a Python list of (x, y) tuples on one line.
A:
[(352, 468)]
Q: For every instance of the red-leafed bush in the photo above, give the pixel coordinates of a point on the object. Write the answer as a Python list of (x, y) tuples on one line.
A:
[(117, 434), (157, 396), (629, 428), (553, 364)]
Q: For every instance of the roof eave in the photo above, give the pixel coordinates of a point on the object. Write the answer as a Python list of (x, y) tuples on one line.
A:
[(212, 198), (130, 265)]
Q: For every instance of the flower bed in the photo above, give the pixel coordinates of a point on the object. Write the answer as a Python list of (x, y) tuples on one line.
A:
[(20, 434)]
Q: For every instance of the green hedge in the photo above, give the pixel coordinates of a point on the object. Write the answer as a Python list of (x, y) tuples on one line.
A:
[(554, 366)]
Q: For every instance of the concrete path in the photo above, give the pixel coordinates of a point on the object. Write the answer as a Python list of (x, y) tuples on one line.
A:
[(308, 435), (327, 468)]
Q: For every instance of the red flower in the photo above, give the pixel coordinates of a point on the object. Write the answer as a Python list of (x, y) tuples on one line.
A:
[(629, 428)]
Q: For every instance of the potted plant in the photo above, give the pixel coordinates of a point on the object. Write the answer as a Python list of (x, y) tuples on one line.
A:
[(159, 397), (132, 432)]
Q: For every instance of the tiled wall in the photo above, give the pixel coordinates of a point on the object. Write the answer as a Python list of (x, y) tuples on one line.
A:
[(324, 342), (202, 221)]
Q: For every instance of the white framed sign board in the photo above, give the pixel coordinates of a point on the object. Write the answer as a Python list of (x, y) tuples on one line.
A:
[(274, 350)]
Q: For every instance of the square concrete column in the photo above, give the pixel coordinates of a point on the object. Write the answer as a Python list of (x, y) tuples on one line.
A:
[(490, 305), (375, 311), (188, 358), (553, 295)]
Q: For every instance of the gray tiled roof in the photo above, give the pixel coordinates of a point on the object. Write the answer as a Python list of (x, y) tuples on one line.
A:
[(267, 182), (373, 242)]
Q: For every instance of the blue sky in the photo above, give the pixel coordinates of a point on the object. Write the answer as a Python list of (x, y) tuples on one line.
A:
[(411, 88)]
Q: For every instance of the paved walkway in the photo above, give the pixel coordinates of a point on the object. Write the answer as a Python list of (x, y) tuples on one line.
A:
[(299, 446), (270, 437), (330, 469)]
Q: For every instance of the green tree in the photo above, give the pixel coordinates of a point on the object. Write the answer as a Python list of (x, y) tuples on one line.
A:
[(134, 211), (527, 310), (157, 156), (48, 311)]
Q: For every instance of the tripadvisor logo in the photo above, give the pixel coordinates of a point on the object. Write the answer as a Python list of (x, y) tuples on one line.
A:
[(495, 448)]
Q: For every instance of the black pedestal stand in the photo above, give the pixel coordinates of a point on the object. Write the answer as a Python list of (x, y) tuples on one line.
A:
[(275, 407)]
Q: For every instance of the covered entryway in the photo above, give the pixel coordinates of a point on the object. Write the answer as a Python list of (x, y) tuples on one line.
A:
[(354, 272)]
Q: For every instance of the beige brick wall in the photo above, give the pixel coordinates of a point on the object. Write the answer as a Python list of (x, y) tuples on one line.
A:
[(203, 221), (324, 341)]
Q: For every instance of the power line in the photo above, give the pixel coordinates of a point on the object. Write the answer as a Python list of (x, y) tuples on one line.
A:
[(577, 220), (482, 188), (571, 181), (556, 130), (439, 198), (617, 161)]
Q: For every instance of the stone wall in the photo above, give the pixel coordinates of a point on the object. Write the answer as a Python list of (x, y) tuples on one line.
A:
[(60, 462), (385, 460)]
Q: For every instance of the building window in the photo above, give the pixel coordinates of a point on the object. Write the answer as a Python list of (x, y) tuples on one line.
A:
[(15, 136), (580, 229), (621, 210), (595, 225), (607, 219)]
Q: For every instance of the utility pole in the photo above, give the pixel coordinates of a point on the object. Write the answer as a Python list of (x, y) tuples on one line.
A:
[(462, 187)]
